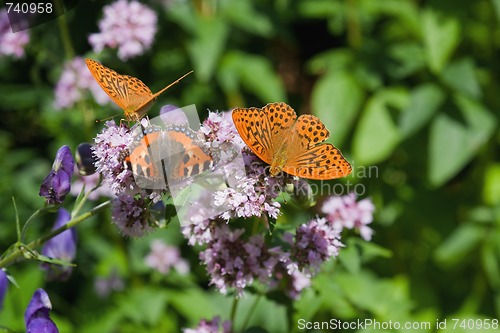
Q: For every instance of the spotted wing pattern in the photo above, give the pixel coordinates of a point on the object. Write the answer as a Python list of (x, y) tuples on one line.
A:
[(289, 144)]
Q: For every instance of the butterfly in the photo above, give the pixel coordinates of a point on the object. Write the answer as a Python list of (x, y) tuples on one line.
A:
[(159, 156), (290, 144), (130, 93)]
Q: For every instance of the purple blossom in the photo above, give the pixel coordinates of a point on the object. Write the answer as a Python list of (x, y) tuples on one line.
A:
[(315, 242), (37, 317), (128, 26), (345, 212), (163, 257), (74, 82), (290, 278), (220, 137), (211, 326), (57, 184), (110, 148), (105, 285), (4, 283), (252, 193), (11, 43), (233, 262), (219, 128), (131, 215), (62, 246), (201, 232)]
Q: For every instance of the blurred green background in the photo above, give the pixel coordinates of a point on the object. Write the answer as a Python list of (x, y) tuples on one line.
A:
[(411, 87)]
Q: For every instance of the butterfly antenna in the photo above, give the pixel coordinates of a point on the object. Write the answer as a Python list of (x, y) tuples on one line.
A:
[(173, 83), (101, 120)]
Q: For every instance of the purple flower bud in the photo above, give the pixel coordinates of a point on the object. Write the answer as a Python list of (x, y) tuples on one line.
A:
[(57, 184), (62, 246), (4, 283), (36, 317), (85, 159)]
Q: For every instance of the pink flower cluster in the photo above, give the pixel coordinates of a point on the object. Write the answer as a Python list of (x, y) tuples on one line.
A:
[(234, 258), (163, 257), (210, 326), (74, 82), (128, 26), (346, 212), (11, 43)]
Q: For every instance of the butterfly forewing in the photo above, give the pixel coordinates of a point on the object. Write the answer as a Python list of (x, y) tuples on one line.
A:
[(128, 92), (253, 126)]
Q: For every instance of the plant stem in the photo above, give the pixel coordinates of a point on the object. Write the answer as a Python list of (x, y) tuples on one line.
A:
[(63, 29), (18, 252), (233, 311), (250, 313)]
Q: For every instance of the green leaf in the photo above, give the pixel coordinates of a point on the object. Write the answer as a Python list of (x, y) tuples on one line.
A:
[(460, 75), (258, 76), (410, 59), (385, 298), (331, 60), (243, 15), (349, 257), (307, 305), (194, 304), (425, 100), (376, 135), (461, 242), (207, 47), (370, 250), (148, 312), (496, 6), (255, 73), (490, 263), (447, 152), (336, 99), (453, 144), (320, 8), (491, 187), (441, 36)]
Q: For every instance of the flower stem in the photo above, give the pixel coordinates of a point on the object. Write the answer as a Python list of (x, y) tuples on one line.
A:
[(250, 313), (233, 311), (18, 252)]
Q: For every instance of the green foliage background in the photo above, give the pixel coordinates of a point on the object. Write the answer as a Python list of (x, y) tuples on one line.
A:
[(411, 87)]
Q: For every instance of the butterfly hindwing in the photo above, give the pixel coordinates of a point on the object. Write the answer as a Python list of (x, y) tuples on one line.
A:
[(322, 161)]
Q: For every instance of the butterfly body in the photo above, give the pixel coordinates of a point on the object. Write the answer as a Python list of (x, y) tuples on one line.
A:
[(290, 144), (128, 92)]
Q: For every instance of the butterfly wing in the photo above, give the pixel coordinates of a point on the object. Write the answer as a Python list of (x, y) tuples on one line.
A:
[(262, 129), (142, 157), (310, 158), (191, 158), (128, 92)]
